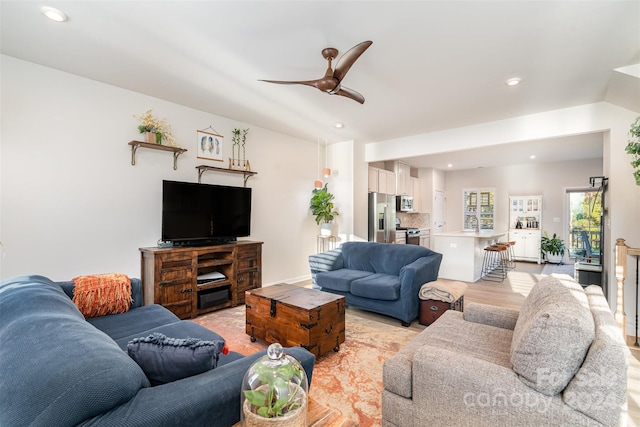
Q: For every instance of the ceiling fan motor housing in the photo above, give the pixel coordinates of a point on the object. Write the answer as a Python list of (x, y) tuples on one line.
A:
[(331, 81)]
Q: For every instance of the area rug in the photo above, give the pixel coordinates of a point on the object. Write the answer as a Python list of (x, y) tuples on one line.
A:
[(558, 269), (349, 380)]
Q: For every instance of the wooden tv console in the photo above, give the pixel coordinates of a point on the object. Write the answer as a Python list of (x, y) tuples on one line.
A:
[(170, 276)]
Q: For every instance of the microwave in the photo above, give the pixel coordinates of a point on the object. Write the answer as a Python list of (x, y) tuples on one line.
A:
[(404, 204)]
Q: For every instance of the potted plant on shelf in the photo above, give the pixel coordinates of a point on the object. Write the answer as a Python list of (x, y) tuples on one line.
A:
[(552, 248), (323, 209), (633, 148), (274, 391), (156, 130)]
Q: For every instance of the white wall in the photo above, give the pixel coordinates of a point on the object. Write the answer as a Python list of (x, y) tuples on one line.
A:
[(71, 202), (546, 179), (361, 200)]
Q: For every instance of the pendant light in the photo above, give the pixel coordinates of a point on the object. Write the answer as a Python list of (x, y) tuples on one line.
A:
[(318, 183), (326, 171)]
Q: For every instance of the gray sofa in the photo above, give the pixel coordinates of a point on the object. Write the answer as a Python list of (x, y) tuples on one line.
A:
[(58, 369), (380, 277), (561, 360)]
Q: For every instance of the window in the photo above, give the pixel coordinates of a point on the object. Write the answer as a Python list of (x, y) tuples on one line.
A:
[(585, 224), (478, 208)]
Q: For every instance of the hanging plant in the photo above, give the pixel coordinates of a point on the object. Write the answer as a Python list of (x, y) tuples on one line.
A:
[(633, 148)]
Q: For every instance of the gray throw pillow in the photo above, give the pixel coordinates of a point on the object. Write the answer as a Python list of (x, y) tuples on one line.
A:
[(552, 335), (164, 359)]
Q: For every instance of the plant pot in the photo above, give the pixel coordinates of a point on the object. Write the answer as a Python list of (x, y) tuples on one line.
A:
[(296, 418), (325, 229), (554, 258), (154, 138)]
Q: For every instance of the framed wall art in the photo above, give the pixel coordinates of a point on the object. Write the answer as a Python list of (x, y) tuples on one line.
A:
[(210, 145)]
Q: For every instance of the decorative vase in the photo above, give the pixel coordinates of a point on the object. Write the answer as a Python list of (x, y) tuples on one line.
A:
[(274, 391), (153, 138), (325, 229)]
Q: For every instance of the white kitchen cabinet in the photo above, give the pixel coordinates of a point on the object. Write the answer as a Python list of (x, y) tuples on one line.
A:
[(415, 193), (527, 244), (381, 181), (527, 209), (373, 180), (403, 179), (386, 181), (401, 237), (425, 235), (526, 212)]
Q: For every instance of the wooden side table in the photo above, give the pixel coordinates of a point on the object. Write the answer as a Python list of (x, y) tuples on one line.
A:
[(323, 416), (430, 310)]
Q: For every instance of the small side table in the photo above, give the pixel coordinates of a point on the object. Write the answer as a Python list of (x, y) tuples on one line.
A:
[(326, 243), (430, 310)]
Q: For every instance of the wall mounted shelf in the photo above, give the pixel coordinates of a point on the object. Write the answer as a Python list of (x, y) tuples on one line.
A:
[(203, 168), (137, 144)]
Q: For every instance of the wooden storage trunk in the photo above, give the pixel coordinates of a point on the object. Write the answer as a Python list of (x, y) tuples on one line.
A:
[(296, 316), (431, 309)]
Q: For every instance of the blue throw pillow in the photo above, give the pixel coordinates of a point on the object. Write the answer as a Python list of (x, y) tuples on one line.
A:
[(164, 359)]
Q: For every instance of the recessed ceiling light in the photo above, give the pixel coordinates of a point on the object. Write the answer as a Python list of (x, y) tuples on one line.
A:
[(449, 165), (54, 14), (338, 125), (533, 156), (513, 82)]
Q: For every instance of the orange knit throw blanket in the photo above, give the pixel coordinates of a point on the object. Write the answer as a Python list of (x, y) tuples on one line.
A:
[(102, 294)]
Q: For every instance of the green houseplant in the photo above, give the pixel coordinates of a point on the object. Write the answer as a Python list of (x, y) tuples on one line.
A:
[(552, 248), (160, 129), (322, 207), (633, 148), (275, 391)]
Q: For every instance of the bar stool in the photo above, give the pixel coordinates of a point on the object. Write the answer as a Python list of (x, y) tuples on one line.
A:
[(494, 265), (511, 255)]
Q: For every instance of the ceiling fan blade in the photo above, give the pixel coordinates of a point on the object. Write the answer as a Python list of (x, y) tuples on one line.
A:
[(347, 60), (313, 83), (350, 93)]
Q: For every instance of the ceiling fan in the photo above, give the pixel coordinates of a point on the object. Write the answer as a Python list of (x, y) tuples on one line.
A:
[(331, 83)]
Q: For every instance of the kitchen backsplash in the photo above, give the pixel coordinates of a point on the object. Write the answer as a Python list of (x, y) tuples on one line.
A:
[(417, 220)]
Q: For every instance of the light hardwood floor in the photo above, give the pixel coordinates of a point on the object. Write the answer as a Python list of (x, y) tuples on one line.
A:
[(511, 293)]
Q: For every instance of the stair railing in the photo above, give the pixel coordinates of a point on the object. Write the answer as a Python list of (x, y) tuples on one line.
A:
[(622, 251)]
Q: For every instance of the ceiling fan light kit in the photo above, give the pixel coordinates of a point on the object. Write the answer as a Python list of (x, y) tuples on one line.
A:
[(331, 82)]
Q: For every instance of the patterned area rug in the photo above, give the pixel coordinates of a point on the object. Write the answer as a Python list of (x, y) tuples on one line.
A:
[(558, 269), (349, 380)]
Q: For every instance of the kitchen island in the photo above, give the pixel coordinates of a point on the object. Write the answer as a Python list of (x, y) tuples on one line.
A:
[(463, 252)]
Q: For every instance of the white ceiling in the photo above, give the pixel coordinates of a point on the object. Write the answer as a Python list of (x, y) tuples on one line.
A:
[(433, 65)]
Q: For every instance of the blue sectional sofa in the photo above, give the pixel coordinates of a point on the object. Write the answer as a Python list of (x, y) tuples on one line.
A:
[(380, 277), (58, 369)]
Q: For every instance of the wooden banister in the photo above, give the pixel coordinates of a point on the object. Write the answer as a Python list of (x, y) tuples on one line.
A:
[(622, 251)]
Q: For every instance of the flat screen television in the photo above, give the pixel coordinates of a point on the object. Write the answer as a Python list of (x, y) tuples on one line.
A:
[(202, 214)]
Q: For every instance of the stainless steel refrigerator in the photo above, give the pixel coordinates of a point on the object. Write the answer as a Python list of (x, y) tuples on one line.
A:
[(382, 218)]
